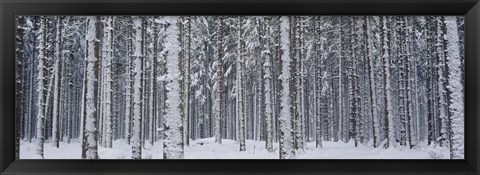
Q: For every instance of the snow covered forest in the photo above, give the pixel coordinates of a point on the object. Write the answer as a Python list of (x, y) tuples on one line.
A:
[(266, 87)]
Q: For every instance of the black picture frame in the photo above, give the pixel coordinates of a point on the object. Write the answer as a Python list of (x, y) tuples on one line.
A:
[(10, 8)]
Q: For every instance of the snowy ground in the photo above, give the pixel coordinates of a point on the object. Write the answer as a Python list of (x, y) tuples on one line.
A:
[(229, 149)]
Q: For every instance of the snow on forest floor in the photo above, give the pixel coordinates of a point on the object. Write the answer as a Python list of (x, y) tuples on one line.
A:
[(229, 149)]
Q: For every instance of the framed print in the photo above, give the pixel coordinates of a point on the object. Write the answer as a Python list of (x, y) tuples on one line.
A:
[(321, 85)]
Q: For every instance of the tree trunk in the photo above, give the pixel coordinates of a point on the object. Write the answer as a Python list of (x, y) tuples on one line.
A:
[(318, 82), (286, 133), (455, 77), (41, 92), (137, 89), (173, 140), (219, 83), (90, 136), (371, 78), (108, 34), (240, 93), (390, 133), (268, 94)]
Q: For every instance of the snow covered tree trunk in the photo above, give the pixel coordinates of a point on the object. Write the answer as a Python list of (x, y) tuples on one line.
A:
[(49, 75), (258, 94), (268, 95), (187, 83), (408, 96), (108, 47), (42, 54), (340, 84), (101, 89), (29, 127), (56, 93), (286, 132), (128, 88), (276, 79), (69, 101), (219, 84), (455, 87), (371, 76), (401, 80), (137, 89), (355, 100), (83, 107), (404, 74), (90, 127), (429, 84), (143, 81), (181, 29), (433, 43), (173, 139), (297, 85), (240, 92), (390, 133), (416, 85), (318, 81), (440, 44), (303, 107)]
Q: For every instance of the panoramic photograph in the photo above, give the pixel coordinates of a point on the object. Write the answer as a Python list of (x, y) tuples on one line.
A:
[(240, 87)]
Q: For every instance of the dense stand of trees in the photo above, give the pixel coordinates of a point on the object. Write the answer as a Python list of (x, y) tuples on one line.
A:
[(380, 81)]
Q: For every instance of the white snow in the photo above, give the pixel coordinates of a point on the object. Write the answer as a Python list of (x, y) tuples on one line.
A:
[(208, 149)]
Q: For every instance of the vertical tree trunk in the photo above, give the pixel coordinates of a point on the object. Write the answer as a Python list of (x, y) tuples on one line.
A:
[(187, 84), (318, 81), (173, 140), (286, 133), (340, 84), (137, 89), (90, 136), (219, 83), (355, 103), (56, 93), (371, 77), (41, 86), (390, 133), (240, 93), (296, 88), (455, 88), (268, 93), (442, 82), (429, 121), (399, 40), (143, 101), (128, 93), (29, 127), (299, 88), (407, 82), (108, 34)]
